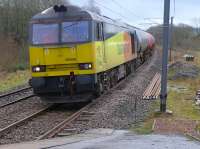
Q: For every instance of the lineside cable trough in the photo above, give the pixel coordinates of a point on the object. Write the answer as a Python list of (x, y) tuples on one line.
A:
[(152, 92)]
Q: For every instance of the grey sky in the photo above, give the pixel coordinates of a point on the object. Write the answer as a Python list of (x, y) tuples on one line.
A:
[(135, 12)]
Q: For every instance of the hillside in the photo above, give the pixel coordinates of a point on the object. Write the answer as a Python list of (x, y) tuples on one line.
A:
[(184, 36)]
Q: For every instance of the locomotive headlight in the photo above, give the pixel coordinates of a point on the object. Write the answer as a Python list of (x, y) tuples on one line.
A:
[(90, 66), (85, 66), (38, 69)]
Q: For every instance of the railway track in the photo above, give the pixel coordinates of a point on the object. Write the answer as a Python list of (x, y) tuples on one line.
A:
[(14, 92), (57, 130), (15, 96), (15, 124), (68, 126), (65, 126), (33, 125)]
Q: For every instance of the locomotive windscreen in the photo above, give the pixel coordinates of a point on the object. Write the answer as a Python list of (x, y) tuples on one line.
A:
[(75, 31), (69, 32), (45, 34)]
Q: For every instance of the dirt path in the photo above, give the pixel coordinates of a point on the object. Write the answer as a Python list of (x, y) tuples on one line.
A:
[(176, 126)]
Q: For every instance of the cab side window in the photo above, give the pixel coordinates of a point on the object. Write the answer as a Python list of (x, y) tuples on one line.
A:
[(99, 31), (133, 40)]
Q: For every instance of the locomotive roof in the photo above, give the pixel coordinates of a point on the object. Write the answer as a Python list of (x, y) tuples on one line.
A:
[(75, 13), (72, 13)]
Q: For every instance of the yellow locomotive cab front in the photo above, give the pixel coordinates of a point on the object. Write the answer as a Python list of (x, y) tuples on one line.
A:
[(61, 60)]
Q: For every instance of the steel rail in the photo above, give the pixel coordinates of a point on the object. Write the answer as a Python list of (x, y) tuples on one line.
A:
[(51, 133), (14, 92), (7, 128), (18, 100)]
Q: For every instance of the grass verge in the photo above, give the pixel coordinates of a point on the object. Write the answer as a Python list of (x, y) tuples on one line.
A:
[(12, 80), (146, 126), (181, 99), (181, 94), (143, 128)]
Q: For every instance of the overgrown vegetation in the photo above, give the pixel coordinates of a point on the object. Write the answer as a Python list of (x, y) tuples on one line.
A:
[(181, 96), (181, 99), (12, 80), (14, 18), (185, 37), (182, 91), (146, 126)]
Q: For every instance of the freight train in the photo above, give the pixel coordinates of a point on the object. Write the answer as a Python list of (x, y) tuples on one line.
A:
[(75, 53)]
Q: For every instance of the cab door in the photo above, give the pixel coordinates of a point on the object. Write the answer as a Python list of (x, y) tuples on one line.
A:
[(100, 47), (103, 41), (134, 43)]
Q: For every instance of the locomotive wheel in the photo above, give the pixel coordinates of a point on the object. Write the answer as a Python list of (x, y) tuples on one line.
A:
[(99, 89), (141, 59), (107, 83), (132, 67), (114, 80)]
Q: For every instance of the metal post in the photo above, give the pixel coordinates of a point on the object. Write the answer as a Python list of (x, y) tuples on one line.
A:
[(163, 96), (171, 39)]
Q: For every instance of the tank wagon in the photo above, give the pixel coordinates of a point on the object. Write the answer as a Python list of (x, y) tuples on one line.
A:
[(75, 53)]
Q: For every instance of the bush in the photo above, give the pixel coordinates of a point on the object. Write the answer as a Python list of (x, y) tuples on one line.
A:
[(19, 66)]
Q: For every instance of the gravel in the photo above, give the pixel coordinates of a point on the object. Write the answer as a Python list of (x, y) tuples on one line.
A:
[(17, 111), (123, 106), (16, 96), (115, 109), (31, 129), (39, 125)]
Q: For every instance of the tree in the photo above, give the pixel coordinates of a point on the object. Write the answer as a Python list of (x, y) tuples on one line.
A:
[(14, 20), (184, 36)]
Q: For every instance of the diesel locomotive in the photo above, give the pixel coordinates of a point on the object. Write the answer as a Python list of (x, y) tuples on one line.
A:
[(76, 53)]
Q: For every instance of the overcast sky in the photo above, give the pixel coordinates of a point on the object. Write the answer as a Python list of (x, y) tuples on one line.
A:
[(142, 13)]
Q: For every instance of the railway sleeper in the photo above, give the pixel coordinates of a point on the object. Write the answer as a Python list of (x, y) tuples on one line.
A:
[(64, 134), (86, 116), (70, 130), (82, 120), (88, 113)]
